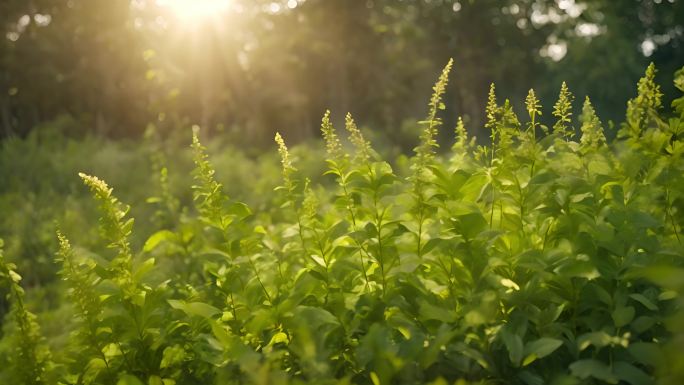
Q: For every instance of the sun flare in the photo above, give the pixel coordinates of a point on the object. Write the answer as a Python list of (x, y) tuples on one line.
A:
[(195, 9)]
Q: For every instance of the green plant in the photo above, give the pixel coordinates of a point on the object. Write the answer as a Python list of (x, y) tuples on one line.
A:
[(540, 259), (30, 358)]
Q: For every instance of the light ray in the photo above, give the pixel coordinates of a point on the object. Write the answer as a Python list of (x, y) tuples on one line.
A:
[(195, 10)]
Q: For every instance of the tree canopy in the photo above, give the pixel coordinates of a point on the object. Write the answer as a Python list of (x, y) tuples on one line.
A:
[(250, 68)]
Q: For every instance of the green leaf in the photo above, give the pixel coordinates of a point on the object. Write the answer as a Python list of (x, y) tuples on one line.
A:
[(111, 350), (374, 378), (642, 324), (278, 338), (471, 224), (540, 349), (315, 316), (514, 344), (155, 239), (431, 244), (432, 312), (644, 301), (172, 355), (509, 284), (472, 354), (593, 368), (579, 269), (531, 378), (597, 339), (93, 368), (623, 315), (320, 261), (144, 268), (16, 278), (238, 209), (195, 308), (631, 374)]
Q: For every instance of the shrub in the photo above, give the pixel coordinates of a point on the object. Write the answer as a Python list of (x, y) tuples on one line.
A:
[(543, 258)]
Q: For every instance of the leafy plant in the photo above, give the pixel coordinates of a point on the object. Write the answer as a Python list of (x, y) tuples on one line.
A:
[(540, 259)]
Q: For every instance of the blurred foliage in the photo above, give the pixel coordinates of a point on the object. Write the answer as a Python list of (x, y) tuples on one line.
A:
[(265, 65), (38, 188)]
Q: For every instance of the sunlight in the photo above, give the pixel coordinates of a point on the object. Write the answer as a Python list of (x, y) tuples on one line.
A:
[(194, 10)]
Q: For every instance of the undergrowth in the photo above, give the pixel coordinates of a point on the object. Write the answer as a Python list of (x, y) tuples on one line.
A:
[(548, 257)]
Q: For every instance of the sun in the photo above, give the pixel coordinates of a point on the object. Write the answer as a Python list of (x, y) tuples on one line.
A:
[(193, 10)]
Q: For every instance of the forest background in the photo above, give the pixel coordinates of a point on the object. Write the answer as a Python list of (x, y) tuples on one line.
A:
[(250, 68)]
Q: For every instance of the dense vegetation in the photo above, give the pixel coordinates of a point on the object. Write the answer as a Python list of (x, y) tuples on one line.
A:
[(551, 256)]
